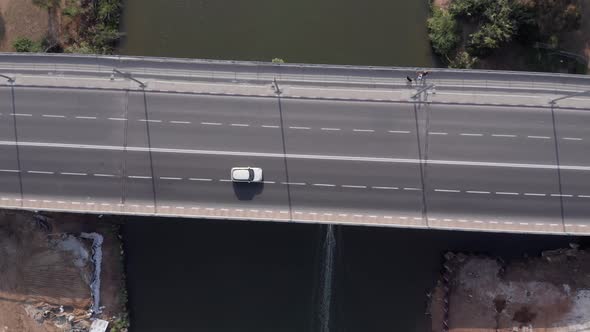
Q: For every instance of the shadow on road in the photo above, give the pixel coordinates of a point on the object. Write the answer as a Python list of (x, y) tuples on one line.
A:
[(247, 191)]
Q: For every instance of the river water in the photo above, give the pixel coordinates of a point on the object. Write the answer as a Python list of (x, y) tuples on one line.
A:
[(195, 275), (220, 276), (361, 32)]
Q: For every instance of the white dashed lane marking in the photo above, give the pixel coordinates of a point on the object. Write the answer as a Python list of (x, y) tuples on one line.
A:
[(299, 127), (40, 172), (447, 190)]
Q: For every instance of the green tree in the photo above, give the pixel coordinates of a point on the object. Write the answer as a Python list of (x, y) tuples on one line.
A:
[(443, 31), (554, 17), (23, 44)]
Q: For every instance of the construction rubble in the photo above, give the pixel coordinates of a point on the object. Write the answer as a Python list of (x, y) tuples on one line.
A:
[(50, 273)]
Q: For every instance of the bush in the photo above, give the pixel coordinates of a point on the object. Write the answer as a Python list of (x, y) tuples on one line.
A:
[(24, 44), (443, 31), (463, 60), (278, 60), (46, 3)]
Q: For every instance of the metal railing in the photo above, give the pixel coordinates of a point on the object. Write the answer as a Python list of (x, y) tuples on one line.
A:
[(250, 71)]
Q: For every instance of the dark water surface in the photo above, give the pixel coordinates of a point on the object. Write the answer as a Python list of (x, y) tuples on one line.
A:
[(362, 32), (191, 275)]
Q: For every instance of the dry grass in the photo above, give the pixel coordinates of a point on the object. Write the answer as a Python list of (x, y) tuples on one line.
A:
[(20, 18)]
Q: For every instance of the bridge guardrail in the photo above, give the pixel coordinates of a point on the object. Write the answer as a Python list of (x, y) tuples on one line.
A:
[(220, 70)]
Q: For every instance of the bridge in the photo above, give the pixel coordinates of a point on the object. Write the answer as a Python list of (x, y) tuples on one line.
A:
[(462, 150)]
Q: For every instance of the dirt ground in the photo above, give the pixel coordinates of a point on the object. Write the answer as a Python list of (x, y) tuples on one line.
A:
[(46, 271), (544, 294), (20, 18)]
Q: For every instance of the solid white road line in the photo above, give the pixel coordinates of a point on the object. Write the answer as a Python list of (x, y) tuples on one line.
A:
[(437, 133), (269, 126), (86, 117), (540, 137), (470, 134), (398, 131), (239, 125), (506, 193), (330, 129), (53, 116), (211, 123), (364, 130), (502, 135), (73, 173), (117, 119), (200, 179), (572, 138), (180, 122), (297, 156), (300, 128)]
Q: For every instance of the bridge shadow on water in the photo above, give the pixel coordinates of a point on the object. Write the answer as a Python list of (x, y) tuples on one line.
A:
[(247, 191)]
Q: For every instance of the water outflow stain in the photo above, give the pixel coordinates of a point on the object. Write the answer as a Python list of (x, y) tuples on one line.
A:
[(325, 306)]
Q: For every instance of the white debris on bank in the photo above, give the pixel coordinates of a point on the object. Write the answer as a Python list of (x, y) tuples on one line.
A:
[(73, 245), (578, 318), (97, 260)]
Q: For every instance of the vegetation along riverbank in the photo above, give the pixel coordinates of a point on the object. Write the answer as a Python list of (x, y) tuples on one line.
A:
[(73, 26), (540, 35)]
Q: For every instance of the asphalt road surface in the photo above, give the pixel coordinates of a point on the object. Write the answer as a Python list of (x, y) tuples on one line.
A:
[(434, 161)]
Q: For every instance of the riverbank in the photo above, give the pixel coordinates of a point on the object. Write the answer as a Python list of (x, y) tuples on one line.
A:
[(60, 272), (549, 293), (72, 26), (531, 35)]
